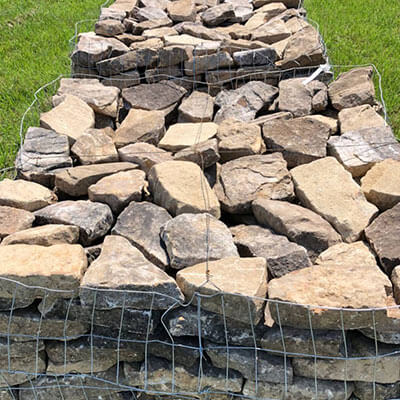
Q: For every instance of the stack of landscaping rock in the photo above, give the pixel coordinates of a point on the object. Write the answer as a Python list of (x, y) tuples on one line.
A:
[(162, 240)]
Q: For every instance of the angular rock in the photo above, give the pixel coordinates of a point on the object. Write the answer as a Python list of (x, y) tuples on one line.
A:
[(218, 14), (72, 118), (14, 220), (281, 255), (149, 14), (202, 32), (180, 187), (382, 235), (297, 223), (110, 13), (103, 99), (141, 224), (144, 154), (25, 195), (76, 181), (247, 278), (341, 203), (109, 27), (243, 180), (123, 267), (264, 56), (182, 10), (367, 390), (94, 147), (329, 285), (182, 135), (360, 117), (47, 235), (204, 154), (381, 184), (331, 123), (188, 40), (238, 139), (353, 88), (140, 126), (127, 6), (194, 238), (301, 140), (271, 9), (202, 63), (159, 32), (396, 283), (138, 28), (198, 107), (359, 150), (271, 32), (119, 189), (94, 220)]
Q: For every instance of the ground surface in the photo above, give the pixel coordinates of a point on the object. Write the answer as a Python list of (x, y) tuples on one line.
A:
[(363, 32)]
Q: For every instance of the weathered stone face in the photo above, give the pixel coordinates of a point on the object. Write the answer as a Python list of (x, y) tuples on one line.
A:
[(109, 27), (204, 154), (14, 220), (360, 117), (198, 107)]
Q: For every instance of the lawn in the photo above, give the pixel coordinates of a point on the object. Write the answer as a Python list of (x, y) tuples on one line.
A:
[(363, 32), (34, 50)]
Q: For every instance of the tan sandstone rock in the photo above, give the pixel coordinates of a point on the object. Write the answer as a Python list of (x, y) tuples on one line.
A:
[(14, 220), (198, 107), (360, 117)]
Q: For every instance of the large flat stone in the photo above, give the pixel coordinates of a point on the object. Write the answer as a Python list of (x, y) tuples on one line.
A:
[(367, 390), (198, 107), (341, 203), (216, 15), (94, 220), (360, 117), (253, 57), (245, 179), (180, 187), (281, 255), (204, 154), (122, 267), (194, 238), (209, 62), (271, 32), (243, 293), (14, 220)]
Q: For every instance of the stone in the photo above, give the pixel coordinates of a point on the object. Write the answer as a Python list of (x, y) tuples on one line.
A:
[(208, 62), (238, 139), (76, 181), (94, 147), (188, 40), (138, 28), (247, 278), (94, 220), (202, 32), (396, 283), (180, 187), (141, 224), (149, 14), (310, 292), (301, 140), (25, 195), (123, 81), (245, 179), (360, 150), (381, 184), (304, 48), (382, 234), (353, 88), (119, 189), (182, 10), (204, 154), (155, 3), (47, 235), (242, 9), (72, 118), (155, 96), (218, 14), (297, 223), (264, 56), (331, 123), (182, 135), (59, 267), (281, 255), (109, 27), (379, 366), (14, 220), (103, 99), (271, 32), (194, 238), (92, 48), (122, 267), (360, 117), (264, 368), (42, 152), (173, 55), (198, 107), (300, 389), (127, 6), (341, 203), (143, 154), (271, 10), (367, 390), (140, 126), (110, 13)]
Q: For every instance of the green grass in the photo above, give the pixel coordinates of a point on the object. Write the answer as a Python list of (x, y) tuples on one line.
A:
[(364, 32), (34, 50)]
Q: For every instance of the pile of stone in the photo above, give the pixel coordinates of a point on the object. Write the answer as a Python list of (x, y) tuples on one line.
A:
[(196, 41), (167, 240)]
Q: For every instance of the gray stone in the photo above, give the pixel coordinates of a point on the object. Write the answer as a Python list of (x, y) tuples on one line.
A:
[(271, 32), (110, 13), (14, 220), (194, 238), (109, 27), (264, 56), (149, 14), (202, 63), (93, 219), (202, 32), (281, 255), (121, 267), (367, 390), (138, 28), (218, 14), (198, 107), (182, 10), (141, 224), (204, 154), (243, 180), (173, 55)]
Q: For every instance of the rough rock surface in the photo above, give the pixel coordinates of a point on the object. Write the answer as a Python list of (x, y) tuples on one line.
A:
[(14, 220), (248, 277), (194, 238), (360, 117), (204, 154), (180, 187), (341, 202), (281, 255), (243, 180), (198, 107)]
